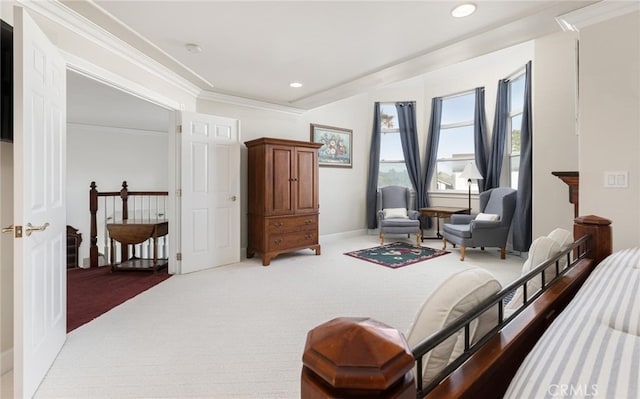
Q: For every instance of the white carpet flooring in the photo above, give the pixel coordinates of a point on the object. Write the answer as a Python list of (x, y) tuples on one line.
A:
[(238, 331)]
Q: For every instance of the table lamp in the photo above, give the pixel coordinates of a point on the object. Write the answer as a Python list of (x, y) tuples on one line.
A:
[(470, 172)]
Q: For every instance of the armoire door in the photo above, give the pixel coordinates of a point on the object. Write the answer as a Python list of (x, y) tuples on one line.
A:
[(281, 200), (306, 179)]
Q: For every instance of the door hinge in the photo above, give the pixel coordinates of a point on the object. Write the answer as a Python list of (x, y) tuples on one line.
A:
[(179, 256), (179, 128), (179, 192)]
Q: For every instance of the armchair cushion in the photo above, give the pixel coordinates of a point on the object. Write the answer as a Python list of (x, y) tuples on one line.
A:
[(458, 230), (409, 224), (395, 213)]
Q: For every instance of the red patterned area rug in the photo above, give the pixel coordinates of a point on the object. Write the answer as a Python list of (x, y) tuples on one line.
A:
[(397, 254), (92, 292)]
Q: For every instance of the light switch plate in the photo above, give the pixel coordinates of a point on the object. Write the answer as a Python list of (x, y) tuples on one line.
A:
[(617, 179)]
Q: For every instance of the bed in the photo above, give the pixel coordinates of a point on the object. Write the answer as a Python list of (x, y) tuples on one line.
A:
[(128, 229), (486, 346), (593, 347)]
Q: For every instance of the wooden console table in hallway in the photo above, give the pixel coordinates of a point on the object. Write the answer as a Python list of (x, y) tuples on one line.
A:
[(439, 212), (131, 232)]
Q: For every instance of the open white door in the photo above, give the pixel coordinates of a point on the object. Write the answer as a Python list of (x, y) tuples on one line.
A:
[(210, 189), (40, 285)]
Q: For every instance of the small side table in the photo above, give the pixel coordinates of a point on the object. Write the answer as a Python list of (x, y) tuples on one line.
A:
[(439, 212)]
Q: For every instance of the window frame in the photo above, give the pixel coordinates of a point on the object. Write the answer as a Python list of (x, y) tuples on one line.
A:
[(512, 114), (387, 130), (454, 125)]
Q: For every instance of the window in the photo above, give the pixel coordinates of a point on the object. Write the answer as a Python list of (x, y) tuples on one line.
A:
[(514, 124), (393, 170), (456, 144)]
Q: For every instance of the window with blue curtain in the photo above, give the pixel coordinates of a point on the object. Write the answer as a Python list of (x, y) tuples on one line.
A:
[(392, 167)]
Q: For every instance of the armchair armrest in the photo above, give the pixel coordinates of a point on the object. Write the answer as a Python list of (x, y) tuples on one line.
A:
[(380, 214), (462, 219), (484, 224), (413, 214)]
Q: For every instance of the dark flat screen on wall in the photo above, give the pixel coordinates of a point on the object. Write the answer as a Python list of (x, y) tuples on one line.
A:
[(6, 82)]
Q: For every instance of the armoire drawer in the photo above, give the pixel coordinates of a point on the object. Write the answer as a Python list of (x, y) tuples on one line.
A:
[(291, 224), (278, 242)]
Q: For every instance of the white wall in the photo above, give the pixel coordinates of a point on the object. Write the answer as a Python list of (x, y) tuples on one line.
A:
[(343, 190), (555, 140), (108, 156), (610, 123)]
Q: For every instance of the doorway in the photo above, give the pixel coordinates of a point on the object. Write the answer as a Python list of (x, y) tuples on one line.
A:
[(112, 136)]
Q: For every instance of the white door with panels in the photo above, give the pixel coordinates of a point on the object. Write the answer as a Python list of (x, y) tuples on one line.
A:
[(40, 313), (209, 187)]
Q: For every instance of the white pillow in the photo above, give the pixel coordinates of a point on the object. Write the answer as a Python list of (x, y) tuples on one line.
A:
[(564, 238), (488, 216), (541, 249), (458, 294), (395, 213)]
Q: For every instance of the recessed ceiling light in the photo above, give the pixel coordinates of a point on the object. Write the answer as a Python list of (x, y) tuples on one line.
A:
[(295, 84), (463, 10), (193, 48)]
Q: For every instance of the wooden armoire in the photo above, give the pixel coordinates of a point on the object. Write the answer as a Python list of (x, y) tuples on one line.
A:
[(283, 197)]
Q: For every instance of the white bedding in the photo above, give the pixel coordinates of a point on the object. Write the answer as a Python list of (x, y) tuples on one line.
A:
[(592, 350)]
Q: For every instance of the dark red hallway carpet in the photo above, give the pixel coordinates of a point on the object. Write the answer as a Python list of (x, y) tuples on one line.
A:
[(92, 292)]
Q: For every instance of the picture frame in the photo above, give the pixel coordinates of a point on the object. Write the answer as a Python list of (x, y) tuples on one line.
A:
[(337, 150)]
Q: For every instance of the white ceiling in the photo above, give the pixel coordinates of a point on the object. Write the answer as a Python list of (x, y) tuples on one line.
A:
[(90, 102), (254, 49)]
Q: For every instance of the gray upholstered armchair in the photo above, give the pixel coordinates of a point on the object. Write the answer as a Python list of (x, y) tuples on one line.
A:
[(490, 228), (396, 213)]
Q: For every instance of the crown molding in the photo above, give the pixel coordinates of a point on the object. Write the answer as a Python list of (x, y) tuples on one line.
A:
[(78, 24), (578, 19), (250, 103)]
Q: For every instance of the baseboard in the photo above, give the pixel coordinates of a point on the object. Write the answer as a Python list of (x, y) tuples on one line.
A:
[(6, 361), (343, 235), (323, 238)]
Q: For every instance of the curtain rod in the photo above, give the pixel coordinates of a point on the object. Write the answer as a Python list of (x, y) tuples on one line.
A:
[(515, 73)]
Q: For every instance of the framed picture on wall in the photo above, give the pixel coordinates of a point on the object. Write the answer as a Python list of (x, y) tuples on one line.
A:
[(337, 141)]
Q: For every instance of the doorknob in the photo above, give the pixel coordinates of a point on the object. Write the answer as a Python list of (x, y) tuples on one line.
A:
[(30, 228), (7, 229), (234, 198)]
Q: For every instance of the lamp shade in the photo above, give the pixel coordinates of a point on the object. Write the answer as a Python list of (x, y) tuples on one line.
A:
[(471, 172)]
